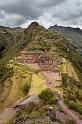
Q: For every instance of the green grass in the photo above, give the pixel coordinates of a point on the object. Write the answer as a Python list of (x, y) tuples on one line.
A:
[(67, 67), (13, 91), (38, 84), (13, 88)]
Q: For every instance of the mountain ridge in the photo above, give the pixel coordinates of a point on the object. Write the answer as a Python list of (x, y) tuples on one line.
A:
[(16, 77), (73, 34)]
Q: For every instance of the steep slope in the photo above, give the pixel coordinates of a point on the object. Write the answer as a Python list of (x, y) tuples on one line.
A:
[(22, 41), (37, 38), (8, 38), (73, 34)]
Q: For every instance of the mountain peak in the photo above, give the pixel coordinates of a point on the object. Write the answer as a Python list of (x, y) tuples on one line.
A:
[(34, 24), (33, 27)]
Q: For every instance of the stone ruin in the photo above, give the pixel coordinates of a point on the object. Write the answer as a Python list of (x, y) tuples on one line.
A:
[(28, 57), (45, 62), (48, 63)]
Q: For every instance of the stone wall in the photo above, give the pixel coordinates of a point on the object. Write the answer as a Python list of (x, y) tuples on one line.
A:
[(46, 62)]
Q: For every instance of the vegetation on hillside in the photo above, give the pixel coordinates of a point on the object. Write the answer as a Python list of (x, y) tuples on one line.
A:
[(24, 79), (8, 37), (48, 96), (26, 86), (42, 114), (73, 34)]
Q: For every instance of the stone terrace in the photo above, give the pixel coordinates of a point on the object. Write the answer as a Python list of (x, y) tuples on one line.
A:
[(45, 62)]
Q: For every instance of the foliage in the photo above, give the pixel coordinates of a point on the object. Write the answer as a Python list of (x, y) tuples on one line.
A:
[(64, 79), (26, 87), (48, 96), (75, 106), (71, 122), (5, 73), (80, 94), (73, 48), (72, 88), (9, 122), (31, 107), (8, 37)]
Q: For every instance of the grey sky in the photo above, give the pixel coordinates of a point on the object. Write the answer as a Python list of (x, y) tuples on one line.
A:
[(46, 12)]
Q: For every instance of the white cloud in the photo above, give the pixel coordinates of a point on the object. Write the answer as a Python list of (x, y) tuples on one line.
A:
[(46, 12)]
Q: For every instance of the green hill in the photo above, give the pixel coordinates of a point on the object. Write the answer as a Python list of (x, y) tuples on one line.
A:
[(36, 37), (14, 78), (73, 34), (8, 38)]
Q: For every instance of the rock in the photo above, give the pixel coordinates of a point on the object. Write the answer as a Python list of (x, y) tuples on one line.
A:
[(52, 114)]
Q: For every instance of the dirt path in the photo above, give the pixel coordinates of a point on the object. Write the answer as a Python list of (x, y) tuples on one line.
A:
[(10, 112), (33, 98), (69, 112), (54, 81), (50, 82), (7, 115)]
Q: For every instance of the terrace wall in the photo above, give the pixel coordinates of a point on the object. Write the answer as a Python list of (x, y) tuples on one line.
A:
[(46, 63)]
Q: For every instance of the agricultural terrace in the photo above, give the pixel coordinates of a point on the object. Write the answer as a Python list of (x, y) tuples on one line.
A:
[(66, 67)]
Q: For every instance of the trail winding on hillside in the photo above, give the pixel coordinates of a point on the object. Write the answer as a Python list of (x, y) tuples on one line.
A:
[(9, 113), (69, 112), (60, 101)]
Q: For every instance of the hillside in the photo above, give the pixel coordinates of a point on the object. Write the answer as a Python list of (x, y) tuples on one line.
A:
[(73, 34), (8, 38), (36, 37), (23, 79)]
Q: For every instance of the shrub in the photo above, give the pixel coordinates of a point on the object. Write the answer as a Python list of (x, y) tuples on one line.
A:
[(80, 95), (26, 87), (75, 106), (48, 96), (9, 122), (34, 114), (72, 104), (65, 79), (71, 121), (31, 107)]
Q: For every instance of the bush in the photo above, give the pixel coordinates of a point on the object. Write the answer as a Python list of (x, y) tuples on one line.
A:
[(9, 122), (48, 96), (75, 106), (72, 104), (80, 95), (31, 107), (71, 122), (26, 87), (65, 79)]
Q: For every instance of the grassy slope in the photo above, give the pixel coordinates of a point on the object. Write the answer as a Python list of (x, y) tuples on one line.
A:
[(36, 37), (37, 84), (13, 88), (74, 34), (68, 68), (8, 37)]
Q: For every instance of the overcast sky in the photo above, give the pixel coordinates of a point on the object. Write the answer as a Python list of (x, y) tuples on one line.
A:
[(47, 12)]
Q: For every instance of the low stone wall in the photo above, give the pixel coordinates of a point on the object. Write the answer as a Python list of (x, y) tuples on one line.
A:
[(46, 62)]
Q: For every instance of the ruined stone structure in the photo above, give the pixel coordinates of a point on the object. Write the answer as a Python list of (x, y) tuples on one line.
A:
[(48, 63), (45, 62), (29, 57)]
